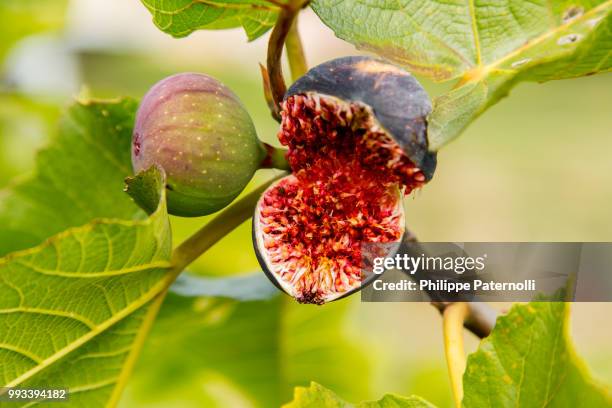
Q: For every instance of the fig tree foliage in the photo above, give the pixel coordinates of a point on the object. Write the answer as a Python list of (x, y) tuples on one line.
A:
[(487, 47), (83, 267)]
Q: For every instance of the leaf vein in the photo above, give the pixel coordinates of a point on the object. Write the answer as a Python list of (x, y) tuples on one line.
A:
[(108, 156), (25, 353), (96, 274), (545, 36), (59, 313), (420, 28), (474, 24), (100, 328)]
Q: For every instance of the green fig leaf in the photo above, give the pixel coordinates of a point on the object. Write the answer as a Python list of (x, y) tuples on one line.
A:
[(78, 177), (317, 396), (247, 287), (83, 263), (529, 361), (179, 18), (25, 125), (489, 46)]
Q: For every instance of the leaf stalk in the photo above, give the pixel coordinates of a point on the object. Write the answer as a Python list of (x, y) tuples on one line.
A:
[(295, 52), (453, 318)]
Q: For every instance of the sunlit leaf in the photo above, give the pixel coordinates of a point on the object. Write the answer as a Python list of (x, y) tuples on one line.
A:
[(73, 307), (77, 178), (317, 396), (489, 45), (180, 18), (529, 361)]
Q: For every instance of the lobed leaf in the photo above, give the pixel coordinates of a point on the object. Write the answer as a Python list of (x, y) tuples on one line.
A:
[(73, 307), (489, 45), (317, 396), (528, 361), (179, 18), (77, 178)]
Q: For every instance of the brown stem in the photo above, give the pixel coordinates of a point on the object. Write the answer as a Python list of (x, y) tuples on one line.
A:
[(281, 29), (267, 90), (480, 318)]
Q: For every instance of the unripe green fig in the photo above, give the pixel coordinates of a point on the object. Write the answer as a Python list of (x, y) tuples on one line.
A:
[(199, 132)]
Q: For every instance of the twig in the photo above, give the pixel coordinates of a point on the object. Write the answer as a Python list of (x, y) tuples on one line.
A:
[(480, 319), (281, 30), (223, 224), (453, 318), (267, 90), (240, 6)]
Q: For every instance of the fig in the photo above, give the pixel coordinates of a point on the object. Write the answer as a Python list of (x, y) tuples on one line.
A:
[(356, 132), (199, 132)]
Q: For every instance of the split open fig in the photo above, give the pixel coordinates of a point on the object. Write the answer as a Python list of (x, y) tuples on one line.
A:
[(355, 129)]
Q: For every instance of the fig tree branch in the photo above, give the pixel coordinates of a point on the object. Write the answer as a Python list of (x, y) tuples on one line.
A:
[(230, 218), (481, 317), (453, 319)]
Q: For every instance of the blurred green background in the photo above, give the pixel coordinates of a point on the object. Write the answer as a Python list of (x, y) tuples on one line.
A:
[(536, 167)]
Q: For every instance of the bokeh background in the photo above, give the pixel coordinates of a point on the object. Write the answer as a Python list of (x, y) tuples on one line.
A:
[(535, 167)]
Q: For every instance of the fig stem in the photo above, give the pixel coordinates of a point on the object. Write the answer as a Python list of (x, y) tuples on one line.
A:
[(286, 17), (453, 319), (295, 52), (230, 218), (275, 158)]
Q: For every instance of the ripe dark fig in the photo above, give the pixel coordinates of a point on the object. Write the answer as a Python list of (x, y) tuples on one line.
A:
[(199, 132), (356, 132)]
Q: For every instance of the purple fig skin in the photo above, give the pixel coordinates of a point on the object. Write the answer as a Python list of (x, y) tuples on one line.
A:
[(199, 132), (398, 100)]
